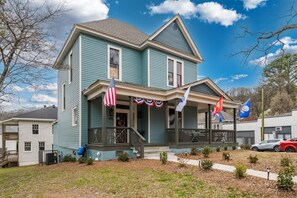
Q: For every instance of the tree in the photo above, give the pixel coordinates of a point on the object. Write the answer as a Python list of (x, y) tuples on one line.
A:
[(281, 103), (26, 42)]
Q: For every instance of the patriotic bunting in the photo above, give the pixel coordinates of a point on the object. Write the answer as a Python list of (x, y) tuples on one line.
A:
[(149, 102), (138, 100), (158, 103)]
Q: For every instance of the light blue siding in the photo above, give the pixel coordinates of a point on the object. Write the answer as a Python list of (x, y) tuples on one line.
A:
[(157, 125), (173, 37), (96, 112), (145, 67), (204, 88), (190, 117), (107, 155)]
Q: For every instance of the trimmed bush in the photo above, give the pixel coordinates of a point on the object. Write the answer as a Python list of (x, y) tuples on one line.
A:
[(245, 146), (206, 151), (218, 149), (225, 148), (233, 147), (285, 161), (253, 159), (240, 171), (69, 158), (206, 164), (82, 160), (194, 151), (164, 157), (226, 156), (285, 178), (89, 161), (124, 157)]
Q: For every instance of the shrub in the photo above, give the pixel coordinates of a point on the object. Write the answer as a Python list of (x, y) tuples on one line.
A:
[(182, 162), (90, 161), (253, 159), (240, 171), (124, 157), (206, 164), (285, 178), (226, 156), (245, 146), (218, 149), (285, 161), (194, 151), (225, 148), (69, 158), (206, 151), (82, 160), (233, 147), (163, 157)]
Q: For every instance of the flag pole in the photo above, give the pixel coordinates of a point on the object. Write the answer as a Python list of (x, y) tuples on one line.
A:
[(262, 128)]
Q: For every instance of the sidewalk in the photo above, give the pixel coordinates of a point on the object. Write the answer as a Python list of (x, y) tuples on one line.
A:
[(223, 167)]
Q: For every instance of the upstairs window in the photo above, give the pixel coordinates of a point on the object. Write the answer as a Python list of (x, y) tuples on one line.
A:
[(114, 63), (70, 67), (63, 97), (35, 129), (174, 72)]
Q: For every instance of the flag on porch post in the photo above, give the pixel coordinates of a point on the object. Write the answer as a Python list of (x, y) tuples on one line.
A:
[(245, 109), (110, 95), (218, 107), (183, 101)]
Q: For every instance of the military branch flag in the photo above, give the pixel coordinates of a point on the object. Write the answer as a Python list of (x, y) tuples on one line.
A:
[(110, 95), (218, 107), (183, 101), (244, 110)]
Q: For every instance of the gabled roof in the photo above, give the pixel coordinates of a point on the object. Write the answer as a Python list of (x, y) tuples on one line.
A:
[(117, 29), (50, 112)]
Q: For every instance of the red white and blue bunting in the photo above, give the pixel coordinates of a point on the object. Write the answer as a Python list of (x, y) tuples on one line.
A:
[(149, 102)]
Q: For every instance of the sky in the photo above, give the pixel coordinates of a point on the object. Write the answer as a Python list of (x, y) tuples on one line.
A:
[(216, 26)]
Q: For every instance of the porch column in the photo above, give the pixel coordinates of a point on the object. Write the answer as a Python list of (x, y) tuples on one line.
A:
[(176, 123), (206, 123), (234, 123), (103, 122), (209, 124), (131, 108), (166, 123)]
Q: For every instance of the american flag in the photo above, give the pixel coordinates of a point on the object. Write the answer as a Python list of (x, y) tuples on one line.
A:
[(110, 95)]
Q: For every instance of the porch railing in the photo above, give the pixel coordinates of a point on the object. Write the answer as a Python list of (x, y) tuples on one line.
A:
[(192, 136)]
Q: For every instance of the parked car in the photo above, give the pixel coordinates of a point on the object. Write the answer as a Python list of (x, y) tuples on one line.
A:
[(289, 145), (265, 145)]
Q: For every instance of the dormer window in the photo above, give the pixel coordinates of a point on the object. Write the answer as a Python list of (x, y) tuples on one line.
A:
[(174, 72), (114, 63)]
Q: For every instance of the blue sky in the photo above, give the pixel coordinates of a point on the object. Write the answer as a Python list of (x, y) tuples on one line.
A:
[(213, 25)]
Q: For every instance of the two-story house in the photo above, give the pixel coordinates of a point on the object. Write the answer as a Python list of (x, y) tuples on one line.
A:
[(152, 73)]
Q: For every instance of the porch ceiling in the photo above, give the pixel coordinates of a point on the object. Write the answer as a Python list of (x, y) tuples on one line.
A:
[(98, 88)]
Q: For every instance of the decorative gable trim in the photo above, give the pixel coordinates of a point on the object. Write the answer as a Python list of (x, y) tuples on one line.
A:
[(185, 32)]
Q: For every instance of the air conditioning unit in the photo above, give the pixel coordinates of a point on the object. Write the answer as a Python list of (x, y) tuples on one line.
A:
[(278, 129)]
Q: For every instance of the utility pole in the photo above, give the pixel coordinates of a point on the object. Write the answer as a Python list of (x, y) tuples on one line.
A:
[(262, 129)]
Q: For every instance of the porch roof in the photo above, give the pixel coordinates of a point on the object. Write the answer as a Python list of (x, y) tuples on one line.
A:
[(99, 87)]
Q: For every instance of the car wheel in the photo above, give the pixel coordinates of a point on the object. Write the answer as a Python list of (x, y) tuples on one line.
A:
[(255, 149), (276, 148), (290, 149)]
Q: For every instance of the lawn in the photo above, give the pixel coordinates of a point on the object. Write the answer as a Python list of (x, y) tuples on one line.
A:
[(137, 178), (266, 159)]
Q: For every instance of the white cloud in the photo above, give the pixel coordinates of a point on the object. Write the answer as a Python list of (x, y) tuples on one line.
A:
[(237, 77), (46, 87), (211, 12), (286, 48), (252, 4), (44, 99), (220, 79), (17, 88), (199, 77)]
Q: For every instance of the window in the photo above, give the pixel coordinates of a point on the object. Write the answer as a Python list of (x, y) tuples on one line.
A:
[(114, 63), (27, 146), (74, 116), (70, 67), (63, 97), (35, 128), (41, 146), (174, 72)]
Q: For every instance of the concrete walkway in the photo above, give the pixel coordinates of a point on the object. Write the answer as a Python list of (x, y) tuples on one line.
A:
[(223, 167)]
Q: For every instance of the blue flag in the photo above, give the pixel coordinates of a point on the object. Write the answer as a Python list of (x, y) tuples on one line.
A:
[(219, 117), (245, 109)]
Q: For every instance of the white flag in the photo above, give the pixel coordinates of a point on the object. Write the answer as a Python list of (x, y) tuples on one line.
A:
[(183, 101)]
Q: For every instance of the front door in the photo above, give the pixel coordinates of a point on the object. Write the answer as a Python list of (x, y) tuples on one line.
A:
[(122, 120)]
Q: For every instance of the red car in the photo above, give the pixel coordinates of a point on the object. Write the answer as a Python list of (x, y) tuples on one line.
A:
[(289, 145)]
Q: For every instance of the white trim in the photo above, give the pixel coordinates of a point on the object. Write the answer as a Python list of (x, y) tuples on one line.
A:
[(120, 61), (175, 71), (126, 111), (73, 116), (70, 67), (28, 119), (63, 106), (30, 147), (80, 91), (148, 124), (148, 68)]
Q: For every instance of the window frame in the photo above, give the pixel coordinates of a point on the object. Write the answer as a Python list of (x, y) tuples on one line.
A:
[(72, 116), (175, 61), (34, 129), (43, 146), (63, 98), (108, 61), (25, 146), (70, 62)]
